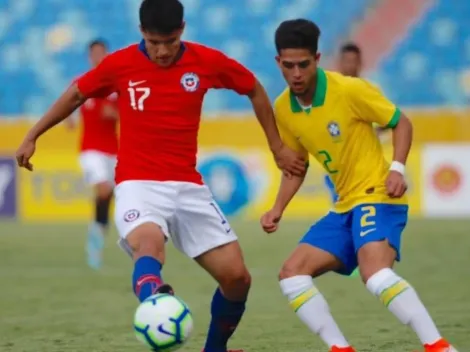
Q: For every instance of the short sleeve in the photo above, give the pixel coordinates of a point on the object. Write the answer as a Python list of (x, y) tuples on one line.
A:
[(230, 74), (98, 82), (288, 137), (370, 105)]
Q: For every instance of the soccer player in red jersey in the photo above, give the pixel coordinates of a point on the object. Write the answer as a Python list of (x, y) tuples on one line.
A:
[(98, 149), (161, 83)]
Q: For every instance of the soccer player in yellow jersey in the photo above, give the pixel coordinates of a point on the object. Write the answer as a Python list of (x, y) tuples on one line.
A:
[(330, 116)]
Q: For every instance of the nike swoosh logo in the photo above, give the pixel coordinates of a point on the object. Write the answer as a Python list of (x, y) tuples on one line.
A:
[(133, 84), (364, 233)]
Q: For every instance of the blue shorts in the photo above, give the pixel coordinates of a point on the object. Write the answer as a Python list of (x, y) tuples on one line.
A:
[(344, 234)]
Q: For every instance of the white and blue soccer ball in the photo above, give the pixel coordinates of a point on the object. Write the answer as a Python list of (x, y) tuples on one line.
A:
[(163, 322)]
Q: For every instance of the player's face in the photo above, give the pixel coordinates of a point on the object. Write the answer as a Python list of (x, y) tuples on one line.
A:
[(163, 49), (299, 67), (350, 64), (97, 54)]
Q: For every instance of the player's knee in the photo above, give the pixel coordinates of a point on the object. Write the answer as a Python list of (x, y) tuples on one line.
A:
[(288, 270), (375, 256), (104, 191), (147, 239), (236, 283)]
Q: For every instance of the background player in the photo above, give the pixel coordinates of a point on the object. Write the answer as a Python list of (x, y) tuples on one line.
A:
[(161, 84), (330, 116), (350, 60), (98, 149)]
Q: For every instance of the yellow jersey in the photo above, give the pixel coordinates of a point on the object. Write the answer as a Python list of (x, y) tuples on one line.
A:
[(337, 131)]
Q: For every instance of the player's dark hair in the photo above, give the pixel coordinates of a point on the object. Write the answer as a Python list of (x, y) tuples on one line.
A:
[(161, 16), (351, 48), (297, 34), (97, 42)]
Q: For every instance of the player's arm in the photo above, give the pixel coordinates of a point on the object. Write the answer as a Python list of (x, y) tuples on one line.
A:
[(264, 113), (402, 136), (370, 105), (232, 75), (287, 190), (290, 184), (64, 107), (91, 84)]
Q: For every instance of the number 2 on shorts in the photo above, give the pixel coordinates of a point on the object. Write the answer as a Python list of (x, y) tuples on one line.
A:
[(368, 214)]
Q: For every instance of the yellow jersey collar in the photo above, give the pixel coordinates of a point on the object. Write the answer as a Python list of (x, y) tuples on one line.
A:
[(318, 98)]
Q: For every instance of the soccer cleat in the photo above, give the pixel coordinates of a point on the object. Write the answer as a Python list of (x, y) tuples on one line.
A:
[(440, 346), (95, 244), (165, 288), (342, 349)]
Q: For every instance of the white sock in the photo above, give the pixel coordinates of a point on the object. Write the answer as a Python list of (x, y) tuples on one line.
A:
[(310, 306), (402, 300)]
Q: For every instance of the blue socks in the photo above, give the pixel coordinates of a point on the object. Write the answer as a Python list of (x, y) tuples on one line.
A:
[(225, 317), (146, 277)]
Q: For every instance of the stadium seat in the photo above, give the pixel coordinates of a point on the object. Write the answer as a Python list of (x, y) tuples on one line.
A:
[(48, 48), (427, 66)]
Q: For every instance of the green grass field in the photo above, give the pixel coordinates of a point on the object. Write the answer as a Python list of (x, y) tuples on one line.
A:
[(51, 302)]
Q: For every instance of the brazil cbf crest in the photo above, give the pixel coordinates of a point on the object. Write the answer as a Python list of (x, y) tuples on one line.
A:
[(190, 82), (334, 131)]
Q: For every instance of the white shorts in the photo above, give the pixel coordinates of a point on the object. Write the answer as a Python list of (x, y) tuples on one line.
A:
[(186, 212), (98, 167)]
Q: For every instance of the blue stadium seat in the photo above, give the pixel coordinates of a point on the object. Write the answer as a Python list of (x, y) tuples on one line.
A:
[(44, 42), (425, 68)]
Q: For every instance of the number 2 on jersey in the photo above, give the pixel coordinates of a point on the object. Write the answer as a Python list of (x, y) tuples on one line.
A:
[(327, 161), (138, 96)]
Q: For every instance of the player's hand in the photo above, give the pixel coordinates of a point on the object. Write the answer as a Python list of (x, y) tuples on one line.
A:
[(270, 220), (289, 161), (396, 184), (24, 154)]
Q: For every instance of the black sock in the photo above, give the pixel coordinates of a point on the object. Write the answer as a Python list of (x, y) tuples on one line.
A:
[(102, 211)]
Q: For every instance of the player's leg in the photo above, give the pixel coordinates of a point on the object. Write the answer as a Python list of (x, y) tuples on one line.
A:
[(103, 197), (142, 210), (330, 186), (104, 188), (377, 233), (327, 246), (226, 265), (203, 233), (97, 174)]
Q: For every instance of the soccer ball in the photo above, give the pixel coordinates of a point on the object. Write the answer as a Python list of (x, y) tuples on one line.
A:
[(163, 322)]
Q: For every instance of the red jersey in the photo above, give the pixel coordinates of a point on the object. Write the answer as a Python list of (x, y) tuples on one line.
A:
[(160, 108), (99, 132)]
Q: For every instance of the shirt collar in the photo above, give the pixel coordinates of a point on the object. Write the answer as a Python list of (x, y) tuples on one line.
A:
[(143, 49), (318, 98)]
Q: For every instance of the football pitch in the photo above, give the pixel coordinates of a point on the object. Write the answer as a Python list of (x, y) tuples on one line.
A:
[(51, 302)]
